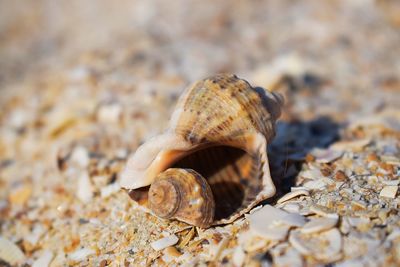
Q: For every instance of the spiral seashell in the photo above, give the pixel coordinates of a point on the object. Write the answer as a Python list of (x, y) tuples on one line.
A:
[(182, 194), (219, 129)]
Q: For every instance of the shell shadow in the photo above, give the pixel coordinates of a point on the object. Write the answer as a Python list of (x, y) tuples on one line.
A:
[(293, 141)]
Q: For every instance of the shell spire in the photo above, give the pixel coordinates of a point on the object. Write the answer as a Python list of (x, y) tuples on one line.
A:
[(182, 194), (220, 129)]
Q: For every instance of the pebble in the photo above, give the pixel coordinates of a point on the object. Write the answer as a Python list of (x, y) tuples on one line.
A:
[(389, 191), (164, 242)]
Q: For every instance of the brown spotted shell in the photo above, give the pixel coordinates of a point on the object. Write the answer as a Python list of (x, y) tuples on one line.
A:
[(182, 194), (220, 129)]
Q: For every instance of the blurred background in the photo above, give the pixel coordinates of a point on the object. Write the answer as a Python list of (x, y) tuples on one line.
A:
[(83, 83), (191, 39), (112, 71)]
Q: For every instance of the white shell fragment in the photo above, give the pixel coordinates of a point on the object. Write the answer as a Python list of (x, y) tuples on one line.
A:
[(80, 156), (85, 188), (351, 145), (239, 257), (325, 246), (389, 191), (326, 155), (318, 225), (109, 113), (312, 174), (44, 260), (81, 254), (292, 195), (10, 252), (317, 184), (321, 211), (36, 234), (273, 223), (285, 255), (108, 190), (164, 242)]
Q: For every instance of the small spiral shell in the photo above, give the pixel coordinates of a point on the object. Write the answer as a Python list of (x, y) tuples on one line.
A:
[(182, 194)]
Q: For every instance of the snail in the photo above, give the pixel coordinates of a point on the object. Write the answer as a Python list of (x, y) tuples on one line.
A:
[(210, 166)]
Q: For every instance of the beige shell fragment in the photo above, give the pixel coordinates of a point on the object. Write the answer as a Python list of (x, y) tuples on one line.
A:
[(220, 128), (272, 223), (325, 246), (10, 252), (164, 242), (292, 195), (319, 224)]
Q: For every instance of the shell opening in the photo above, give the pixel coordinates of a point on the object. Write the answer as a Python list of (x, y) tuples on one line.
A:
[(231, 173)]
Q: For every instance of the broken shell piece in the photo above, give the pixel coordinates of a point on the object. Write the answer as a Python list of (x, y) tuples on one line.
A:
[(220, 129), (36, 234), (20, 194), (238, 257), (10, 252), (170, 254), (271, 232), (164, 242), (311, 174), (325, 246), (290, 207), (318, 225), (355, 145), (109, 113), (285, 255), (318, 184), (292, 195), (44, 260), (85, 188), (389, 191), (323, 211), (80, 156), (273, 223), (81, 254), (326, 155)]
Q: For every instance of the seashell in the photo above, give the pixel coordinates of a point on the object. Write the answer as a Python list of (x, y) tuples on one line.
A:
[(217, 136), (168, 197)]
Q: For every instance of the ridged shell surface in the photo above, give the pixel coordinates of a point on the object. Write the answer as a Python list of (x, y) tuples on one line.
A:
[(224, 108), (220, 129), (182, 194)]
